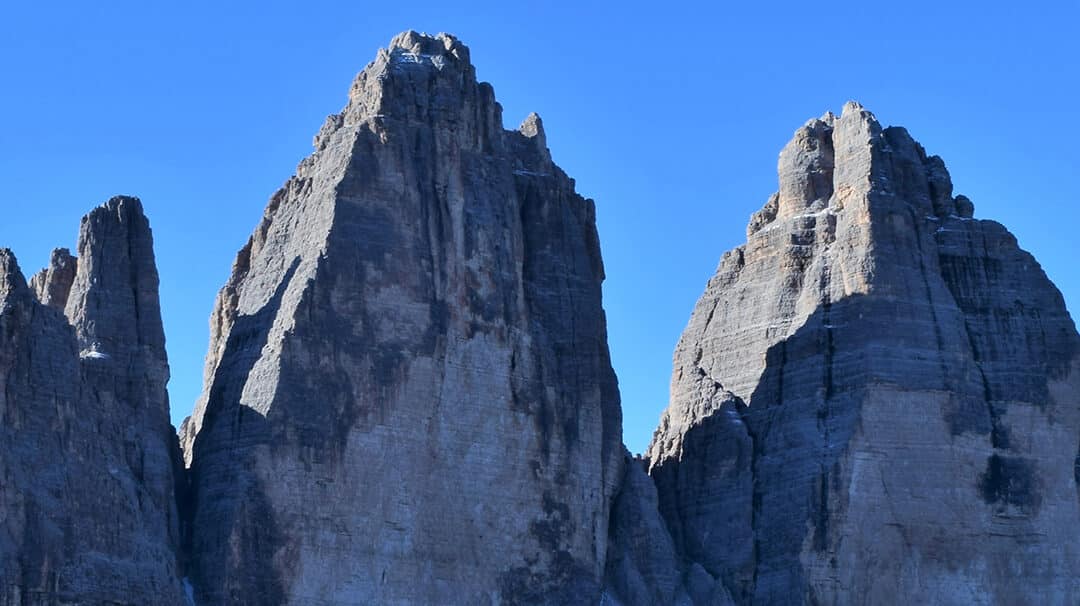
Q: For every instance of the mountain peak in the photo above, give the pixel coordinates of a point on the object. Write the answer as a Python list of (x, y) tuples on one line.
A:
[(113, 299), (12, 281), (425, 45), (412, 290), (869, 320), (52, 284), (832, 162)]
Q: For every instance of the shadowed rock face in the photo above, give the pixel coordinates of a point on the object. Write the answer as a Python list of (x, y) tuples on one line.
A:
[(408, 393), (877, 395), (87, 455)]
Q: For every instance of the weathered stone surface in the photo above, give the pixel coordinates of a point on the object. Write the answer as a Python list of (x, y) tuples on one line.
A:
[(877, 399), (52, 285), (643, 566), (408, 392), (87, 505)]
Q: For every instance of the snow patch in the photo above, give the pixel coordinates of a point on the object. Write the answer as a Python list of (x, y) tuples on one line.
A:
[(529, 173), (93, 354), (438, 61)]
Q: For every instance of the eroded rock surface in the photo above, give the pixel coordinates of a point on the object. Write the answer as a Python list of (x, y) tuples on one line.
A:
[(52, 284), (877, 399), (408, 393), (88, 513)]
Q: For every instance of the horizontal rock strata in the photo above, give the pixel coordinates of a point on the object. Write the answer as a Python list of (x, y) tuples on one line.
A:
[(877, 395), (408, 392)]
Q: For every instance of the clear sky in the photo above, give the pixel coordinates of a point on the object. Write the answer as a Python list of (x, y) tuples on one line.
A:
[(669, 115)]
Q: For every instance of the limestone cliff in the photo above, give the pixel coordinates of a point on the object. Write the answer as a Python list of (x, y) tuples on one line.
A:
[(408, 396), (88, 512), (408, 393), (878, 396)]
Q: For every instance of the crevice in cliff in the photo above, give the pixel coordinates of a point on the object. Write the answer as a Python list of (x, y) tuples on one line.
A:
[(953, 270), (938, 338), (134, 280), (757, 452), (1076, 473), (756, 494), (821, 516), (999, 437)]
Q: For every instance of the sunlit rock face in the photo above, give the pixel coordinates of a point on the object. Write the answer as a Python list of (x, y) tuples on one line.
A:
[(877, 398), (88, 460), (408, 394)]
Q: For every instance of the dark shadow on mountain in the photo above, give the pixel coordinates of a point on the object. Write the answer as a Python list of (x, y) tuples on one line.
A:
[(222, 460), (802, 416)]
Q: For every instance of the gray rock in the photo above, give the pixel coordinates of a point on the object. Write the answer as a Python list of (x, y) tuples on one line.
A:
[(52, 285), (87, 456), (877, 399), (408, 392), (643, 566)]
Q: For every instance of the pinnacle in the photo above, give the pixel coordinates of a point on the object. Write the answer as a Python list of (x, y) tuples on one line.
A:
[(52, 285), (852, 106), (11, 277), (8, 263), (120, 203), (532, 126), (855, 113), (60, 255)]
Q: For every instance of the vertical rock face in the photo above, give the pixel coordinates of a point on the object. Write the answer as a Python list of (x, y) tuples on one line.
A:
[(408, 392), (52, 285), (87, 455), (877, 395)]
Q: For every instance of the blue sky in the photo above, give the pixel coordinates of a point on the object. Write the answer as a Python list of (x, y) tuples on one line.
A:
[(669, 115)]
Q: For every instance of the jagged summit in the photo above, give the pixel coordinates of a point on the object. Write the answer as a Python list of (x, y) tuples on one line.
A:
[(429, 80), (427, 46), (12, 281), (831, 158), (876, 396), (52, 284), (114, 304)]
